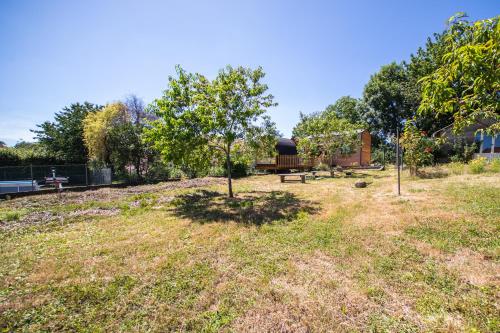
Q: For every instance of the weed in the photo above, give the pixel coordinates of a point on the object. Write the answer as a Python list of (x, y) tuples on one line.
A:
[(477, 165)]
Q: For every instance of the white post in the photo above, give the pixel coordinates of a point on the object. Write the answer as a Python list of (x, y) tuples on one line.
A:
[(482, 143), (492, 151)]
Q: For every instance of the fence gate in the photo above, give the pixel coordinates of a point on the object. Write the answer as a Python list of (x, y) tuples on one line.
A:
[(101, 176)]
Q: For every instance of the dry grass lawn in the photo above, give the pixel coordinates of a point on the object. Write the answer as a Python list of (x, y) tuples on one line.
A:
[(315, 257)]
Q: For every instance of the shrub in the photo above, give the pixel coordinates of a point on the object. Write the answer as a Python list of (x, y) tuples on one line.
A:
[(462, 151), (495, 165), (418, 147), (217, 171), (11, 216), (477, 165), (456, 168), (323, 167)]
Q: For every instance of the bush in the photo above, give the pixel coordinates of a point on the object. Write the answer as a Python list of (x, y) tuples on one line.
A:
[(238, 169), (384, 155), (217, 171), (462, 152), (418, 148), (323, 167), (456, 168), (477, 165), (33, 153), (495, 165)]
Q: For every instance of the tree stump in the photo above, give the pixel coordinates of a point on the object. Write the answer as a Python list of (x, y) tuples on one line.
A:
[(360, 184)]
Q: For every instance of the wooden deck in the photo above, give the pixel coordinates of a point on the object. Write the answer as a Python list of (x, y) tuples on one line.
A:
[(286, 162)]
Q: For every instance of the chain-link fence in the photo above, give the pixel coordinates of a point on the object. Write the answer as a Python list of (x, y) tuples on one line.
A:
[(32, 177)]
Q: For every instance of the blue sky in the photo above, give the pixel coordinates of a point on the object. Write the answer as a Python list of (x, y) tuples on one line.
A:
[(54, 53)]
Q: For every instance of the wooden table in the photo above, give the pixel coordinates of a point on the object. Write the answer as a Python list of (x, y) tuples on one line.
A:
[(301, 175)]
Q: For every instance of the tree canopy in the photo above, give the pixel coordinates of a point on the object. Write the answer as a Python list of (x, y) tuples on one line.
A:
[(199, 120), (391, 99), (352, 109), (98, 127), (466, 83), (325, 135), (63, 137)]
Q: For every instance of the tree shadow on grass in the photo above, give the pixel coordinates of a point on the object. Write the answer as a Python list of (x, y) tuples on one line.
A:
[(256, 207)]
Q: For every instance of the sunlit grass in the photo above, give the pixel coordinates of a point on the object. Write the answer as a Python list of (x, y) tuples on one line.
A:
[(321, 256)]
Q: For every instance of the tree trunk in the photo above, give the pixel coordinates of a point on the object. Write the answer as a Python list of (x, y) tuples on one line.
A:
[(229, 180), (137, 166)]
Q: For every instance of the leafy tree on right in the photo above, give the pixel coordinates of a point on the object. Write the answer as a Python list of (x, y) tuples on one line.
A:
[(466, 85)]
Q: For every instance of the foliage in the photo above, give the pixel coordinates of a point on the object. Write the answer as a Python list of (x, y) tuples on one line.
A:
[(417, 147), (125, 146), (466, 84), (63, 138), (391, 99), (98, 127), (200, 120), (495, 165), (325, 135), (349, 108), (425, 62), (462, 151), (456, 168), (478, 165), (383, 154), (34, 153)]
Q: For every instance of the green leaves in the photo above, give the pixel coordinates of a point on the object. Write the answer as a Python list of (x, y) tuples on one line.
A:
[(325, 135), (418, 147), (392, 99), (466, 84), (199, 120), (63, 138)]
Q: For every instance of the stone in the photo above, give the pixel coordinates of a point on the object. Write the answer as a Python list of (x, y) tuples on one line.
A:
[(360, 184)]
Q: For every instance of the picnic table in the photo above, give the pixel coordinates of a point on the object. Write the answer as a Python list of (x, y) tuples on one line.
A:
[(301, 175)]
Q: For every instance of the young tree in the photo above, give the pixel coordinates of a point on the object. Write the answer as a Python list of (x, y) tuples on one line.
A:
[(63, 138), (200, 120), (466, 84), (417, 146), (325, 135)]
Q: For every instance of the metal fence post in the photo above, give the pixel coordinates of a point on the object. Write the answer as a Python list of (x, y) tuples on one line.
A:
[(86, 176), (32, 179)]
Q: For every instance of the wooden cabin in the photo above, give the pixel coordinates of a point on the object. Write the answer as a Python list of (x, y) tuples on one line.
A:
[(288, 158)]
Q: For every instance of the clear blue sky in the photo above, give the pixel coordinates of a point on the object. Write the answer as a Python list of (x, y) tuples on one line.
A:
[(53, 53)]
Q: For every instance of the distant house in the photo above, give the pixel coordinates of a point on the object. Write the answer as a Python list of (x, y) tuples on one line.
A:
[(288, 158), (487, 145)]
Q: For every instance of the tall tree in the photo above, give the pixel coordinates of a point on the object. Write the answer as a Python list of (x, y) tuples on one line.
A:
[(63, 137), (200, 119), (391, 98), (424, 62), (325, 135), (466, 83), (349, 108), (97, 130)]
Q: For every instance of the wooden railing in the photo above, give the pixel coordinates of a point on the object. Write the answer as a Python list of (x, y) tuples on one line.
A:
[(293, 162)]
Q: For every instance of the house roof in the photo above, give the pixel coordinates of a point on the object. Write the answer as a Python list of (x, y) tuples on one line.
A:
[(467, 131), (286, 147)]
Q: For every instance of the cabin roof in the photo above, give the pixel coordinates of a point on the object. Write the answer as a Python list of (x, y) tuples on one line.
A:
[(286, 147)]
